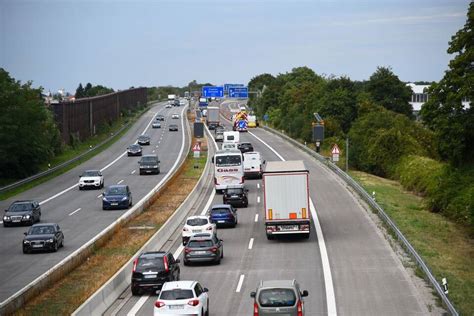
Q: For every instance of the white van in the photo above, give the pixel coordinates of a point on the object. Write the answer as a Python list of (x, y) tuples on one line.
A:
[(231, 137), (253, 165)]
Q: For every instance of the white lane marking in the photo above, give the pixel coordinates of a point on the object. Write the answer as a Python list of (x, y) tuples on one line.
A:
[(206, 207), (239, 285), (120, 181), (153, 151), (138, 305), (1, 222), (256, 218), (178, 251), (250, 243), (258, 185), (329, 286), (133, 171), (72, 213), (258, 199), (99, 196), (58, 194)]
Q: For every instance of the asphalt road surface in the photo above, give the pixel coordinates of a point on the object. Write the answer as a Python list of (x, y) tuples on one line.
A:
[(365, 276), (79, 213)]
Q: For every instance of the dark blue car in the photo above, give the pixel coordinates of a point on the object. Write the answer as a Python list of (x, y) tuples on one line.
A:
[(116, 197), (223, 215)]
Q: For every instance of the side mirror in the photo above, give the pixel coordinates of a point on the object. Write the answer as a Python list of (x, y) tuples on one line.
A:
[(25, 233), (177, 261), (253, 294), (205, 290), (138, 162), (264, 162), (305, 293), (212, 159), (6, 210)]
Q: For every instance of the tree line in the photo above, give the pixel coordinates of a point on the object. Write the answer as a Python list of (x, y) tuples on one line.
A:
[(91, 91), (432, 154)]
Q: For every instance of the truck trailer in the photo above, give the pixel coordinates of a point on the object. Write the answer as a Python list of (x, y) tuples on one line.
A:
[(213, 117), (286, 199)]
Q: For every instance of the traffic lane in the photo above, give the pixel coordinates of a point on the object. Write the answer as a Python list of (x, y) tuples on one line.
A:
[(368, 276), (87, 221), (221, 280)]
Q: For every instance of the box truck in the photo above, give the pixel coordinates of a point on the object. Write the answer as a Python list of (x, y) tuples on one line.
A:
[(286, 199), (213, 117)]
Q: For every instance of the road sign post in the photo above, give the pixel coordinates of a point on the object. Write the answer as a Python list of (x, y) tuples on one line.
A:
[(335, 153), (239, 92)]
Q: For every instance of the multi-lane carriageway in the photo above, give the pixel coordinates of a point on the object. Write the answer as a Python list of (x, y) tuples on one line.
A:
[(79, 213), (348, 268)]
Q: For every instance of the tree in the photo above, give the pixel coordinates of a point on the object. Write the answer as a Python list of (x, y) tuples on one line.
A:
[(445, 113), (388, 91), (87, 89), (28, 135), (79, 92)]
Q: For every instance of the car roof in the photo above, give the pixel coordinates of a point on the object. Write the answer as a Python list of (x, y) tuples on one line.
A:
[(277, 283), (152, 254), (221, 206), (23, 201), (92, 170), (201, 236), (150, 155), (252, 153), (117, 186), (188, 285), (235, 186), (143, 135), (198, 216), (44, 224)]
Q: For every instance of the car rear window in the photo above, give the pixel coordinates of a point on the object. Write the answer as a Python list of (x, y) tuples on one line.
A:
[(234, 191), (196, 221), (116, 190), (277, 297), (145, 263), (20, 207), (90, 173), (176, 294), (220, 211), (200, 243), (149, 159)]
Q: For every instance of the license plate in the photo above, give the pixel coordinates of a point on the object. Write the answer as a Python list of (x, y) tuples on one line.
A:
[(289, 227), (196, 230), (16, 220), (150, 276), (113, 203), (37, 246), (200, 252), (221, 221), (176, 306)]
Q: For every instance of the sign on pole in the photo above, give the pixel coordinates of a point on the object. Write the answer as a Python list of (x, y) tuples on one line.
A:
[(232, 85), (197, 150), (239, 92), (212, 92), (335, 153)]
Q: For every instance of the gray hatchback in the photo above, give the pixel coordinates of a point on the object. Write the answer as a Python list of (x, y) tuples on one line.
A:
[(279, 297)]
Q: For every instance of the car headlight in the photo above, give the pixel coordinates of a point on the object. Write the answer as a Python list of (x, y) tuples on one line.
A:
[(6, 218), (26, 241), (50, 240), (124, 198), (104, 199), (155, 166), (26, 216)]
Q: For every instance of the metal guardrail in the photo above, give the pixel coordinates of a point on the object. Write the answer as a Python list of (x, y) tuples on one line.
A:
[(369, 200), (62, 165)]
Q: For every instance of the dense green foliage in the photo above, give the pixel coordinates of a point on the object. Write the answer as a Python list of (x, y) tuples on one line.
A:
[(444, 112), (161, 93), (91, 91), (28, 134)]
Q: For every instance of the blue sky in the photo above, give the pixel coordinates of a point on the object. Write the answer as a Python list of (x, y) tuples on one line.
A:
[(119, 44)]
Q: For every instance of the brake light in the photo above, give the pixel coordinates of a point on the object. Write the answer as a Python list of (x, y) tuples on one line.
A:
[(242, 180), (215, 180), (187, 250), (135, 262), (193, 302), (159, 304), (255, 309), (299, 308), (165, 262), (214, 249)]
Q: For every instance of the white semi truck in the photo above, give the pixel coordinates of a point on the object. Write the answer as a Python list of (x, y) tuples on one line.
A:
[(286, 198)]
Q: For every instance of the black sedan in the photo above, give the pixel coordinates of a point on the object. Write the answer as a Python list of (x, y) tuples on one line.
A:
[(160, 117), (134, 150), (173, 128), (143, 140), (41, 237), (22, 212), (245, 147), (117, 196)]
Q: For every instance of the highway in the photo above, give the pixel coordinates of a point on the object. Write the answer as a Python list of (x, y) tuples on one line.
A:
[(349, 270), (79, 213)]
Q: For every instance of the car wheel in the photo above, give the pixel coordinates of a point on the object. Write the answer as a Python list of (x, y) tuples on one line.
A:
[(185, 262), (62, 243), (55, 248), (135, 291), (5, 224), (222, 254), (270, 237), (218, 261), (207, 308), (80, 189), (25, 250)]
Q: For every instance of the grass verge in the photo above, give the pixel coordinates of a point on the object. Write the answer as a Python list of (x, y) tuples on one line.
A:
[(444, 245), (70, 153), (68, 294)]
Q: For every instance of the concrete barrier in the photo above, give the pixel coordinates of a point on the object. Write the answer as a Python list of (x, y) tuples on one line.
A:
[(106, 295), (61, 269)]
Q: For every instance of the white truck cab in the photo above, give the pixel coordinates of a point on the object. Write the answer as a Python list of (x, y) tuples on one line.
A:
[(253, 165)]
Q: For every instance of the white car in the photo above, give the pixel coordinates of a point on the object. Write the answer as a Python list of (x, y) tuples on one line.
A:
[(182, 298), (91, 179), (175, 116), (197, 224), (168, 106)]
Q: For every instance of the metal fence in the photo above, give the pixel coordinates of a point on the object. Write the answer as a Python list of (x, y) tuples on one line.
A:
[(81, 118), (370, 201)]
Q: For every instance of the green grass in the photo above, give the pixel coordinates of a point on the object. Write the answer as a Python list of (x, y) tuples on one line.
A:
[(198, 165), (445, 246), (70, 153)]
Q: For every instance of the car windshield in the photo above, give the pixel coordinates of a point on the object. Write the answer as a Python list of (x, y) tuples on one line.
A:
[(149, 159), (226, 161), (143, 137), (277, 297), (116, 191), (220, 211), (146, 262), (134, 147), (200, 243), (91, 173), (41, 230), (196, 221), (176, 294), (20, 207), (234, 191)]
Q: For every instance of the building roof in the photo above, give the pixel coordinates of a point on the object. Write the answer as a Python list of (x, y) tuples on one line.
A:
[(285, 166), (418, 88)]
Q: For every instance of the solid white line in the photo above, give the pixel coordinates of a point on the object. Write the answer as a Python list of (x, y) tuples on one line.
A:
[(239, 285), (120, 181), (329, 286), (58, 194), (138, 305), (206, 207), (258, 199), (250, 243), (134, 171), (178, 251), (258, 185), (72, 213), (256, 218), (99, 196)]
